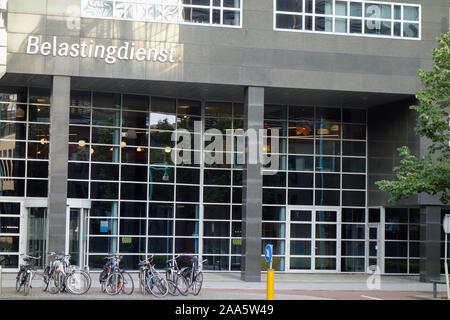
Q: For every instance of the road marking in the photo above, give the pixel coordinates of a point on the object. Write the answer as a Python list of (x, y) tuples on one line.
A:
[(371, 298)]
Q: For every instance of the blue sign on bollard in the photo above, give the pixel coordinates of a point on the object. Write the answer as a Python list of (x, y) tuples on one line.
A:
[(268, 251)]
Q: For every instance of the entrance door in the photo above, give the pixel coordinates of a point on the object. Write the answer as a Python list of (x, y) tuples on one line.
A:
[(374, 246), (76, 231), (36, 230), (37, 233), (313, 239)]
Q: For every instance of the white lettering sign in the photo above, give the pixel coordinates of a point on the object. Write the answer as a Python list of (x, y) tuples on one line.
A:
[(110, 54)]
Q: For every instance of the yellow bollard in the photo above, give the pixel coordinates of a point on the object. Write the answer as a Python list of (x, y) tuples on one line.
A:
[(270, 284)]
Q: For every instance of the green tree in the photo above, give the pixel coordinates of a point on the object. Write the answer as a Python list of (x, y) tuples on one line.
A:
[(431, 173)]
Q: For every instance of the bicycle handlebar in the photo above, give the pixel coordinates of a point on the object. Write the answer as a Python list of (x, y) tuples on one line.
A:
[(30, 257)]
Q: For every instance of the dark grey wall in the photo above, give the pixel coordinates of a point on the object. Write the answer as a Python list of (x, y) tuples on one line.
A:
[(389, 127), (254, 55)]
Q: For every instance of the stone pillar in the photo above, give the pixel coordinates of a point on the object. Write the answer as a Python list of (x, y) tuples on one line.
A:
[(430, 245), (252, 189), (58, 164)]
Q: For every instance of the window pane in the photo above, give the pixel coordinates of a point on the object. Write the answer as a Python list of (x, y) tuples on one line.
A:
[(291, 5), (160, 210), (216, 229), (340, 25), (324, 24), (324, 6), (353, 231), (301, 163), (411, 13), (300, 231), (134, 173), (285, 21), (216, 212), (104, 190), (411, 30), (302, 248), (135, 119), (355, 26), (300, 197), (80, 98), (105, 117), (341, 8), (133, 191), (300, 180), (196, 15), (134, 102), (106, 100), (133, 209), (104, 209), (353, 198), (231, 17), (186, 228), (274, 196), (328, 181), (327, 198), (273, 213), (39, 114)]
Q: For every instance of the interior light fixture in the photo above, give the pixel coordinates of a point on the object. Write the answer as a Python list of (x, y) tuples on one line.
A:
[(81, 143), (168, 149)]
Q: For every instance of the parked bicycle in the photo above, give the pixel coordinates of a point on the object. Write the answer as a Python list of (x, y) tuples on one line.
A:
[(176, 282), (193, 276), (114, 280), (60, 276), (150, 280), (26, 274)]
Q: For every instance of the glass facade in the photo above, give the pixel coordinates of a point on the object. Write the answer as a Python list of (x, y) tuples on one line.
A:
[(24, 142), (322, 165), (144, 201), (120, 157), (363, 18), (226, 13)]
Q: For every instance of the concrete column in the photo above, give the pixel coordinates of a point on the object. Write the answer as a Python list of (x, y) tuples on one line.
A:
[(430, 236), (58, 167), (252, 189)]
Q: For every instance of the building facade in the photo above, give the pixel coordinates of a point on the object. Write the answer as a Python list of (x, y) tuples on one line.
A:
[(96, 95)]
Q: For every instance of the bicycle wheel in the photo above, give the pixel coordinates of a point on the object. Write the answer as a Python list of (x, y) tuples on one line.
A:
[(114, 283), (19, 281), (88, 276), (45, 278), (198, 281), (26, 283), (158, 286), (172, 288), (128, 284), (182, 284), (77, 282), (55, 282)]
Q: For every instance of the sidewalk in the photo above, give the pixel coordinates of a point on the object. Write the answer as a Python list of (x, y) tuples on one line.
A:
[(287, 287)]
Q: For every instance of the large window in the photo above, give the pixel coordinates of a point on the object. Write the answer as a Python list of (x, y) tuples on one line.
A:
[(360, 17), (209, 12), (24, 142), (143, 203)]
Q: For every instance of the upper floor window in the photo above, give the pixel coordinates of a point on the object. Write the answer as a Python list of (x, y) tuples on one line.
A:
[(359, 17), (209, 12)]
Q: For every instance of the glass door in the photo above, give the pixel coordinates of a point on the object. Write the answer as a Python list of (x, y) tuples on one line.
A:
[(374, 246), (326, 240), (37, 234), (76, 235), (313, 239)]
